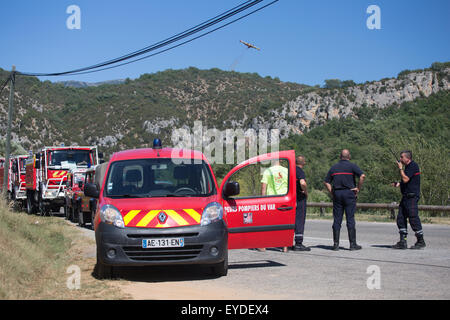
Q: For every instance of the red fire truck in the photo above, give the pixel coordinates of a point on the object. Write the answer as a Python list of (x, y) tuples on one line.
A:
[(9, 186), (46, 173), (17, 184), (2, 172), (16, 178), (163, 206)]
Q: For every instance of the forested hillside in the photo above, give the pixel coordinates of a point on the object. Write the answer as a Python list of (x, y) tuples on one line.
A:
[(132, 114)]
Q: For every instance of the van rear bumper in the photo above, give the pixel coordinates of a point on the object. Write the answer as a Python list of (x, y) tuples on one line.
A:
[(123, 247)]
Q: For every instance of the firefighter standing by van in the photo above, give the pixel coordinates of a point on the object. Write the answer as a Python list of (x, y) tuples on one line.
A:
[(302, 194), (340, 183)]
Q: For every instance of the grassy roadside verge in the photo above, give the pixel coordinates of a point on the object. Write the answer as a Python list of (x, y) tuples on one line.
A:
[(35, 256)]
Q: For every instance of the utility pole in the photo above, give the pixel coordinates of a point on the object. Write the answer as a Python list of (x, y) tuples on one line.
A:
[(8, 132)]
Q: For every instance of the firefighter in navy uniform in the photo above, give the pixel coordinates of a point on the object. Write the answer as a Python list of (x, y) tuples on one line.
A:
[(302, 194), (410, 189), (340, 183)]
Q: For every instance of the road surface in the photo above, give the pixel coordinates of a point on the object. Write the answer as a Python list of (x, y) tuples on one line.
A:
[(375, 272)]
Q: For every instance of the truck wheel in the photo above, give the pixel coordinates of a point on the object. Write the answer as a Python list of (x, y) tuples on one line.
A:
[(103, 271), (66, 212), (44, 210), (74, 214), (30, 206), (221, 269), (80, 217), (92, 219)]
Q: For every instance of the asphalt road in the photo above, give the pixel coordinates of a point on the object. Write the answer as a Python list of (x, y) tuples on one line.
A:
[(375, 272)]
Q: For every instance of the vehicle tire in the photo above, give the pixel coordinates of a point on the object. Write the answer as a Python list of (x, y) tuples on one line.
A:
[(80, 214), (42, 208), (221, 269), (103, 271), (74, 213), (92, 219), (31, 209), (66, 212)]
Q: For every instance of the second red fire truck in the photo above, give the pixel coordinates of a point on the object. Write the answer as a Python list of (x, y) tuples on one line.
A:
[(46, 175)]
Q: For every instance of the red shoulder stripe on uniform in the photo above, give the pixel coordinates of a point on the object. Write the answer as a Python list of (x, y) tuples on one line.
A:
[(337, 173)]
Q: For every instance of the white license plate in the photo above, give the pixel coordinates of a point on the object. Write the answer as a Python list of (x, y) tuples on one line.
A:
[(163, 243)]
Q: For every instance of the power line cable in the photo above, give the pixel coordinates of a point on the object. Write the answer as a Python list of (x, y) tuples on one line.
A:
[(226, 15), (159, 44), (178, 45), (178, 34)]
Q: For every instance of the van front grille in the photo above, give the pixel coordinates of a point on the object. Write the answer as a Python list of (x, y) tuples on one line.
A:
[(138, 253), (161, 235)]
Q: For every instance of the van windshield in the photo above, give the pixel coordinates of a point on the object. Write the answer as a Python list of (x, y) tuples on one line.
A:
[(146, 178)]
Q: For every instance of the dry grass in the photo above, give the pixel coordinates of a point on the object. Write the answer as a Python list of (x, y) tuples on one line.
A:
[(35, 253)]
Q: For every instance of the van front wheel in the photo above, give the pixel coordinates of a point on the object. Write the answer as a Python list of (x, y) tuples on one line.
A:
[(103, 271), (221, 269)]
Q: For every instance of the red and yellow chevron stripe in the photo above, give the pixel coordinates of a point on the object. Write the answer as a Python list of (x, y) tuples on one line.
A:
[(150, 219), (58, 174)]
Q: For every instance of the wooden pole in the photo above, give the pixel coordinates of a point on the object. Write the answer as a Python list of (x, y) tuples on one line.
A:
[(8, 132)]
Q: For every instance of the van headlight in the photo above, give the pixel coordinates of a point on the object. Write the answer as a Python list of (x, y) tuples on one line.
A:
[(211, 213), (109, 214)]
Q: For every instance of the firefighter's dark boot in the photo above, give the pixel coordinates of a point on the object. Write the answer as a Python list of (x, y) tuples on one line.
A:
[(300, 247), (336, 234), (402, 243), (352, 237), (420, 244)]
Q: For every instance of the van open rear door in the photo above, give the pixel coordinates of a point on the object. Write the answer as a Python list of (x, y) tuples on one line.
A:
[(263, 213)]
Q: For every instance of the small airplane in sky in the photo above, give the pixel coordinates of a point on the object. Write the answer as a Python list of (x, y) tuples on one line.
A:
[(249, 45)]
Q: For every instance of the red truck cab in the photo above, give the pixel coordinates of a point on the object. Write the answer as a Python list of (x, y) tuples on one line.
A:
[(163, 206), (2, 172)]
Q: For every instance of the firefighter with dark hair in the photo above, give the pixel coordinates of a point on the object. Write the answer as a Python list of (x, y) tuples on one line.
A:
[(408, 208), (340, 183)]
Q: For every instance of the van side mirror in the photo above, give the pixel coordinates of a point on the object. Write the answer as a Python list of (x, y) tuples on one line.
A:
[(80, 184), (100, 155), (91, 190), (38, 164), (231, 189)]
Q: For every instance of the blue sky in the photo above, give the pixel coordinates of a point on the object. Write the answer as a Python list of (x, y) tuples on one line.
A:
[(301, 41)]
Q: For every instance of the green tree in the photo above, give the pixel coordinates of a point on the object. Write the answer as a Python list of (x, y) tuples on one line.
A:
[(332, 84)]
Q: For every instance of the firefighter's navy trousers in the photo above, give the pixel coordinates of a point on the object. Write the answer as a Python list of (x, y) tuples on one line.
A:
[(344, 200), (300, 216), (408, 209)]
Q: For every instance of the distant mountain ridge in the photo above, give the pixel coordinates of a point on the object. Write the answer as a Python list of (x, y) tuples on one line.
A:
[(82, 84)]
